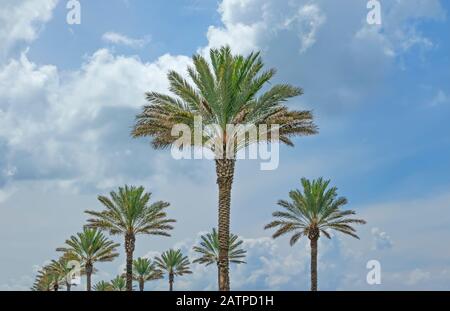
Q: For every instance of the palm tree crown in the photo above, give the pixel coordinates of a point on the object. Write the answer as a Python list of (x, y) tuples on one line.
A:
[(312, 213), (118, 284), (209, 249), (88, 247), (45, 281), (128, 212), (103, 286), (174, 263), (223, 92), (145, 270)]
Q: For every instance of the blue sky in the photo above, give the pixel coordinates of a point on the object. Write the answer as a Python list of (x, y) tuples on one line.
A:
[(380, 95)]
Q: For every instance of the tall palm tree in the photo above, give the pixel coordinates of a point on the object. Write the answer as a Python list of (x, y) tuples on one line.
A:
[(119, 284), (102, 286), (225, 91), (209, 250), (89, 247), (129, 213), (311, 213), (174, 263), (145, 270)]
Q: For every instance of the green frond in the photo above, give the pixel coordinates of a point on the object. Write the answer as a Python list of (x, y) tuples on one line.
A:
[(208, 249), (312, 211), (227, 90)]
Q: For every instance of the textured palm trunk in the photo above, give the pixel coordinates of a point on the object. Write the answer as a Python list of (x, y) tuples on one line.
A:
[(141, 284), (129, 249), (68, 286), (56, 287), (218, 276), (225, 173), (313, 243), (171, 281), (89, 269)]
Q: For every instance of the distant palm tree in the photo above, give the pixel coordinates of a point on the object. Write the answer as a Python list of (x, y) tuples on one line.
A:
[(89, 247), (145, 270), (119, 284), (103, 286), (64, 268), (209, 250), (44, 282), (311, 213), (129, 213), (225, 91), (174, 263)]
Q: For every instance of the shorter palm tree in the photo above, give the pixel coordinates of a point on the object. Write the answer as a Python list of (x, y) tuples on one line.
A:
[(145, 270), (119, 284), (311, 213), (209, 250), (48, 279), (44, 281), (102, 286), (89, 247), (128, 212), (174, 264), (65, 269)]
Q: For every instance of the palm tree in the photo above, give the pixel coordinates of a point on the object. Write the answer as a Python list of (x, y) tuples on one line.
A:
[(311, 213), (209, 249), (44, 282), (119, 284), (102, 286), (225, 92), (145, 270), (174, 263), (89, 247), (129, 213), (64, 268)]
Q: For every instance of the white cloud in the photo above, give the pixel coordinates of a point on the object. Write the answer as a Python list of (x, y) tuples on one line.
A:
[(249, 24), (53, 125), (120, 39), (399, 32), (309, 19), (22, 20)]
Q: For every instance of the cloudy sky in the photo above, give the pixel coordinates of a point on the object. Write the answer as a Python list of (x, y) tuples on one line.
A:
[(380, 94)]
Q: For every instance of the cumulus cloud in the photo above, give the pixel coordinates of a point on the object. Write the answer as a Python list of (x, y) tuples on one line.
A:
[(22, 21), (120, 39), (249, 24), (45, 118), (399, 32)]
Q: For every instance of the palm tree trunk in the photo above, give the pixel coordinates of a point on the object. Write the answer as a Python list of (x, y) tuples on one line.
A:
[(218, 276), (129, 249), (225, 173), (68, 286), (89, 269), (171, 281), (56, 287), (313, 243), (141, 284)]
